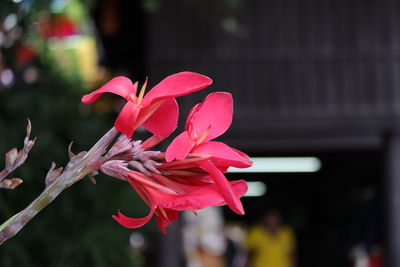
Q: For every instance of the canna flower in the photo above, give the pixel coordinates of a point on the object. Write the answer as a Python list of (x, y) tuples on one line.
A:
[(166, 188), (205, 122), (157, 111), (190, 174)]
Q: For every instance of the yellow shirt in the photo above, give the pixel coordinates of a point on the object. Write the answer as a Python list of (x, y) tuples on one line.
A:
[(270, 250)]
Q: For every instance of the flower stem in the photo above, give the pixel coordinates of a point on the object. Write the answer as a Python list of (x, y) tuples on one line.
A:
[(76, 171), (45, 198)]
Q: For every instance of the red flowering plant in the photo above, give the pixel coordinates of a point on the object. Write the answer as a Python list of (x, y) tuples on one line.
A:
[(188, 176)]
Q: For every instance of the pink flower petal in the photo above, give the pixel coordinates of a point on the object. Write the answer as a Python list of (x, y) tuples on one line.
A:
[(197, 196), (125, 123), (121, 86), (224, 186), (181, 164), (163, 222), (175, 85), (164, 120), (220, 152), (144, 180), (192, 180), (179, 147), (188, 125), (215, 111), (134, 222), (152, 141)]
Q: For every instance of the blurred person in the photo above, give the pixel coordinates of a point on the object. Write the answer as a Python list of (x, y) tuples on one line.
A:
[(367, 250), (361, 257), (204, 238), (271, 243), (235, 254)]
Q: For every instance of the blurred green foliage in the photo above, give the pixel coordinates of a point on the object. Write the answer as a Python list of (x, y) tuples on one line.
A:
[(77, 229)]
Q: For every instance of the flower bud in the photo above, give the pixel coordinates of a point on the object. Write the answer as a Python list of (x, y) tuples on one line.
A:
[(115, 168), (122, 144), (52, 174), (10, 183), (11, 157)]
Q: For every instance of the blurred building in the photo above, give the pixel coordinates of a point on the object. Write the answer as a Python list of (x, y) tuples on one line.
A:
[(309, 77), (314, 78)]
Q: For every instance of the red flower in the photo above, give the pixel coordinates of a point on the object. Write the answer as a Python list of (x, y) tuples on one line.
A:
[(157, 111), (205, 122), (175, 190), (190, 175)]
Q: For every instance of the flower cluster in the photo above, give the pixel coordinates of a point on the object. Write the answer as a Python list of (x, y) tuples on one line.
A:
[(189, 175)]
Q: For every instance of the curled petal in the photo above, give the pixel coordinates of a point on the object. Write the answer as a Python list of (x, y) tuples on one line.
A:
[(224, 154), (214, 115), (164, 120), (121, 86), (134, 222), (224, 186), (175, 85), (180, 147), (188, 125), (125, 123)]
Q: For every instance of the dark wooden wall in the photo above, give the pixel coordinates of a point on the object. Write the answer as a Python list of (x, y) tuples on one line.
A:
[(304, 73), (307, 76)]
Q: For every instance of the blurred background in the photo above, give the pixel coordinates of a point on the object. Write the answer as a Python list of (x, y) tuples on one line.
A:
[(317, 106)]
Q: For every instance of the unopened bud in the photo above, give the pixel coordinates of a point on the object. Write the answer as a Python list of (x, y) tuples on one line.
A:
[(28, 128), (140, 167), (11, 157), (115, 168), (52, 174), (10, 183), (70, 153), (136, 148), (122, 144), (152, 165), (145, 155), (28, 144), (92, 175)]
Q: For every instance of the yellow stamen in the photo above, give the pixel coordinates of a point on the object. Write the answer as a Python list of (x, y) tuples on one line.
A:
[(141, 93), (204, 136), (132, 96)]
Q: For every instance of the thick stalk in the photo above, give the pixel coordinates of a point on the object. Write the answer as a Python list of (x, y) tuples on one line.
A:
[(3, 174), (44, 199), (76, 169)]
